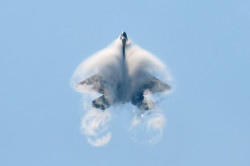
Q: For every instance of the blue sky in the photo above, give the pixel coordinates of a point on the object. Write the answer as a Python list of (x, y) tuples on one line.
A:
[(205, 44)]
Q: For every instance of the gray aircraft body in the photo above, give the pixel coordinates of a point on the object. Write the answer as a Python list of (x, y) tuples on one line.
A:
[(123, 92)]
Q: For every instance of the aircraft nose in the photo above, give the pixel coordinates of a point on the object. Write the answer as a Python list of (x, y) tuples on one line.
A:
[(123, 35)]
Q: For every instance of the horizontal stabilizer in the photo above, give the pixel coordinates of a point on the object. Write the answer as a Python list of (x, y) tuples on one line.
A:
[(101, 103), (143, 103)]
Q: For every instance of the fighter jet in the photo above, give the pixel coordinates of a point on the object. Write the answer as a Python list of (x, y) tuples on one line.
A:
[(123, 89)]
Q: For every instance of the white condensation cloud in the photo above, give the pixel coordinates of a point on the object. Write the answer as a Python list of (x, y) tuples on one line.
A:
[(100, 141), (108, 63), (95, 126), (156, 122), (148, 128)]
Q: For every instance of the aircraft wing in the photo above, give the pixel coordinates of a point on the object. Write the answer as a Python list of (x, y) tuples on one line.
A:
[(154, 85), (151, 84), (95, 82)]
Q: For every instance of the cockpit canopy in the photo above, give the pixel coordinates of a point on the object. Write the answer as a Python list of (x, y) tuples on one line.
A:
[(123, 36)]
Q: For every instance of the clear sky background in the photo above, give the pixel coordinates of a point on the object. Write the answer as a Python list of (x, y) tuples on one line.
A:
[(205, 44)]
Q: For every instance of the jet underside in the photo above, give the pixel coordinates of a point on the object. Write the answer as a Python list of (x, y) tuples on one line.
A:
[(123, 89)]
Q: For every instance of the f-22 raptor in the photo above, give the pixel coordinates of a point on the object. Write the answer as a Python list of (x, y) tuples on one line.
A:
[(124, 94)]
